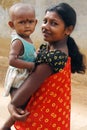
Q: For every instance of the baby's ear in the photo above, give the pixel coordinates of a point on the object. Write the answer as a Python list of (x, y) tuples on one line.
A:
[(36, 21), (10, 23)]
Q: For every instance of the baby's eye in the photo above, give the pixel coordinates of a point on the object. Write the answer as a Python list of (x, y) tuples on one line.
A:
[(31, 21), (22, 22)]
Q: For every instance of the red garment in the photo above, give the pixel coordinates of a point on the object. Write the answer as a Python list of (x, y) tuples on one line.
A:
[(50, 106)]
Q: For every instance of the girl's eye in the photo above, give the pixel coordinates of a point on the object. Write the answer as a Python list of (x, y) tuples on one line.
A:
[(54, 23), (44, 21)]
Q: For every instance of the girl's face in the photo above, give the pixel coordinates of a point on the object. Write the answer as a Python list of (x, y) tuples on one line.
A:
[(53, 27)]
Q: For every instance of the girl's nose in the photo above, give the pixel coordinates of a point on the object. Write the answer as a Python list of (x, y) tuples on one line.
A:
[(45, 26)]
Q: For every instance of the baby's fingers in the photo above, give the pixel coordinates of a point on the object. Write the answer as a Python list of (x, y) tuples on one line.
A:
[(20, 117), (17, 113)]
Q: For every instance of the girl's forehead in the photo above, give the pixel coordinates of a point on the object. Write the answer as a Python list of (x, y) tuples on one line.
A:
[(52, 15)]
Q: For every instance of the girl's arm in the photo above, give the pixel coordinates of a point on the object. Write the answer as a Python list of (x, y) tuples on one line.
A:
[(31, 84), (15, 51), (28, 88)]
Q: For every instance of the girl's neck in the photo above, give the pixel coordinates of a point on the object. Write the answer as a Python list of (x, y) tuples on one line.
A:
[(59, 45)]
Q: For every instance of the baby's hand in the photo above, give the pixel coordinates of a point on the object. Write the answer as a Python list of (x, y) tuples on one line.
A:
[(31, 67), (37, 51), (17, 113)]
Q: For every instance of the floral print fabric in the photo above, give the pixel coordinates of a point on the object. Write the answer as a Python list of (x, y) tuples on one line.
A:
[(56, 59), (50, 106)]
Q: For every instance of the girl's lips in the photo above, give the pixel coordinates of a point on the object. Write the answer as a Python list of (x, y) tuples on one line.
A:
[(46, 34)]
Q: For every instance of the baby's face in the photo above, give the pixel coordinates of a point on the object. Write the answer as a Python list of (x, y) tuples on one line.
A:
[(24, 22)]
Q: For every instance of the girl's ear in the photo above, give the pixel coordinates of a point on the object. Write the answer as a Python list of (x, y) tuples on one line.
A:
[(69, 30), (10, 23)]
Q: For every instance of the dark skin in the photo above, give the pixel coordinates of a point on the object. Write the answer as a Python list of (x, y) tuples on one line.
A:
[(14, 60), (42, 72), (33, 79), (55, 33), (23, 21)]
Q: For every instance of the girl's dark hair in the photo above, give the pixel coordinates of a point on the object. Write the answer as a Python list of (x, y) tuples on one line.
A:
[(77, 61), (68, 15)]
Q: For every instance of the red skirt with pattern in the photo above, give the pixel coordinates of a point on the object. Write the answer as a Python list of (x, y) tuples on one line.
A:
[(50, 106)]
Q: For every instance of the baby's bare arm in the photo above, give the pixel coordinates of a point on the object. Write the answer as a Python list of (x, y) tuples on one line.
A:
[(15, 52)]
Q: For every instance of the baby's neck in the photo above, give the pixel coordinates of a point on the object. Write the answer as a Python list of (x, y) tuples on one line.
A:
[(27, 38)]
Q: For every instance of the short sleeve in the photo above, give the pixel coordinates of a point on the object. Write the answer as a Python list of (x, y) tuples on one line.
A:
[(56, 59)]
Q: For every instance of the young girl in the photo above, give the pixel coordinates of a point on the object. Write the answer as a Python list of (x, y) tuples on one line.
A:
[(22, 53), (49, 86)]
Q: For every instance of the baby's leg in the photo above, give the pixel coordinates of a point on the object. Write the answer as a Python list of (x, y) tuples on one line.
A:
[(9, 122), (7, 125)]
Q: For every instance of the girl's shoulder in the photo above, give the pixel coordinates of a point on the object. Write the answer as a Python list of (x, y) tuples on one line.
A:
[(43, 46), (54, 58)]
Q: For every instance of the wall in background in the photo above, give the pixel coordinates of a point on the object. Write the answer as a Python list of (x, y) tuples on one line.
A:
[(40, 5)]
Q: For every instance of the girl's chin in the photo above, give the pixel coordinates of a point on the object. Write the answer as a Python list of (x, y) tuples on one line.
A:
[(46, 39)]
